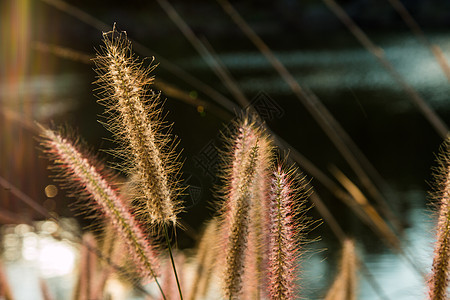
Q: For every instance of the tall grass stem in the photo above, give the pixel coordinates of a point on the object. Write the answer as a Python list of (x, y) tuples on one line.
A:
[(172, 260)]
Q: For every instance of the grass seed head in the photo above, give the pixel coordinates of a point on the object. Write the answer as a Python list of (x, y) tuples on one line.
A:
[(87, 183), (133, 113), (287, 197), (439, 279)]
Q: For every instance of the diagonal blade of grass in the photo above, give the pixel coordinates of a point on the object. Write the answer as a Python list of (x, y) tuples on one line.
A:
[(304, 98), (434, 119), (169, 89), (140, 48), (418, 32), (375, 221), (204, 52)]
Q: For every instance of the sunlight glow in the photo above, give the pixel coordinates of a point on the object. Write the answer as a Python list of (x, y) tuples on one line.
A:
[(49, 256), (55, 258)]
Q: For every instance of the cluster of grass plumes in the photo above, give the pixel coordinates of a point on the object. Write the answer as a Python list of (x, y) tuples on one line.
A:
[(258, 230), (149, 200), (260, 222), (252, 245)]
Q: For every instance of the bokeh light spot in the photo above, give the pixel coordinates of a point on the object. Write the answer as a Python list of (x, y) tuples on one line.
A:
[(49, 227), (51, 191), (193, 94)]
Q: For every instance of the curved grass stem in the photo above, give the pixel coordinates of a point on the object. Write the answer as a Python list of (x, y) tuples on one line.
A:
[(160, 289)]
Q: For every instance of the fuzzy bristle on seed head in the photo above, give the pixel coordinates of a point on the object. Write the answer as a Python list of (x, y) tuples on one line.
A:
[(439, 279), (237, 221), (285, 206), (146, 147), (256, 258), (244, 135), (87, 183), (241, 163)]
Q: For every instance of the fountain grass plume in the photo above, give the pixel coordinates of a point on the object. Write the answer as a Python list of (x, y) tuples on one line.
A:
[(146, 147), (114, 251), (288, 193), (243, 219), (240, 137), (256, 258), (89, 182), (242, 160), (238, 235), (439, 279)]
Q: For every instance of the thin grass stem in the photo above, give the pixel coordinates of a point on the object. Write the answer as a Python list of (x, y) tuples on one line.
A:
[(437, 123), (310, 104), (418, 32), (142, 49), (206, 53), (172, 260)]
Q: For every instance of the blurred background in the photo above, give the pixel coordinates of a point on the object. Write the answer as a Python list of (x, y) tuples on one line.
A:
[(46, 76)]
